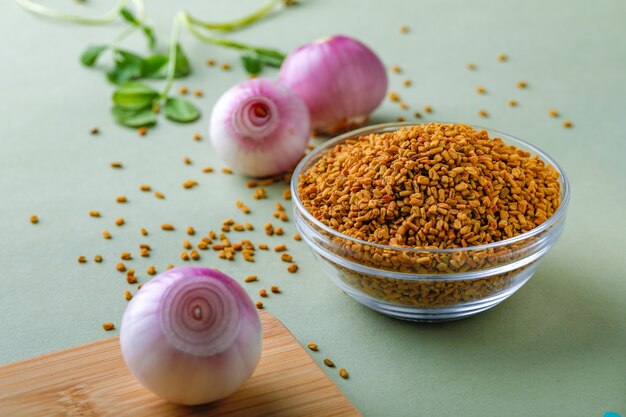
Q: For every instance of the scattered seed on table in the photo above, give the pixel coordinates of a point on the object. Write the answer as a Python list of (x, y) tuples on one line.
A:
[(97, 258), (139, 287), (127, 295), (184, 256), (275, 289), (131, 279), (144, 253), (227, 171), (502, 57), (483, 113), (202, 245), (197, 93), (121, 199), (250, 278), (259, 305), (197, 136), (297, 237), (106, 234), (285, 257), (417, 115), (263, 246), (280, 248), (471, 66), (287, 194), (34, 219), (311, 146), (400, 119), (522, 84), (312, 346), (567, 124), (259, 194), (248, 226), (151, 270), (292, 268), (169, 266), (120, 221), (120, 267), (343, 373), (210, 62), (329, 363), (189, 184), (187, 160), (241, 206), (144, 231), (404, 29), (145, 188), (262, 292), (225, 66), (394, 96), (251, 184), (82, 259), (191, 231), (126, 256), (183, 90), (195, 255), (94, 213), (167, 227), (396, 69), (553, 113), (94, 131), (279, 231), (428, 108), (158, 194), (481, 90), (108, 326), (403, 105), (512, 102), (186, 244), (407, 82), (116, 165), (142, 131), (238, 228), (207, 170)]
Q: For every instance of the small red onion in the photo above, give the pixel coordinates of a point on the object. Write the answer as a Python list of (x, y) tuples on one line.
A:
[(260, 128), (191, 335), (340, 79)]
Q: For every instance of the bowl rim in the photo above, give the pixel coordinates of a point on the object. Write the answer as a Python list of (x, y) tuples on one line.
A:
[(383, 127)]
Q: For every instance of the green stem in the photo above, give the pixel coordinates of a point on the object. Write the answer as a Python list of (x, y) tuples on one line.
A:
[(38, 9), (185, 19), (238, 23), (171, 63), (126, 33)]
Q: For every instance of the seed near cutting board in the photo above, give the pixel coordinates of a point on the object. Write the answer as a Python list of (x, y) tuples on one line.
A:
[(92, 380)]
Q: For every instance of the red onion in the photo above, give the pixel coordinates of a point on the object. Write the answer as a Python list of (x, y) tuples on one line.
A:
[(260, 128), (341, 81), (191, 335)]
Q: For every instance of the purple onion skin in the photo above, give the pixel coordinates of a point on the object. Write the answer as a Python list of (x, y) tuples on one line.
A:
[(184, 377), (338, 78)]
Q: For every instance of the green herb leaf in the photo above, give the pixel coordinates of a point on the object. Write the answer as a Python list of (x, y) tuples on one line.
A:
[(134, 118), (91, 55), (129, 16), (134, 96), (155, 66), (180, 110), (270, 57), (128, 66), (251, 64), (149, 32), (183, 68)]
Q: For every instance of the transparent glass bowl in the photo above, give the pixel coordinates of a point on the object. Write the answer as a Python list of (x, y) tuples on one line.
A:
[(426, 284)]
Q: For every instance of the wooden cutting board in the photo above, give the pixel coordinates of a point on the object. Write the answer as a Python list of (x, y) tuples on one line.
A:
[(92, 380)]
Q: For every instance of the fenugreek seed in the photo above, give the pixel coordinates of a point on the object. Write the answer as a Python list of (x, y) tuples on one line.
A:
[(116, 165), (82, 259), (280, 248), (169, 266), (144, 231), (145, 188), (120, 221), (202, 245), (263, 246), (275, 289), (142, 131), (227, 171), (292, 268), (394, 96), (198, 93), (512, 102), (139, 287), (403, 105), (259, 305), (207, 170), (238, 227), (191, 231), (329, 363), (130, 272), (126, 256), (120, 267), (94, 131), (400, 119), (567, 124), (194, 254), (210, 62), (190, 184), (97, 258), (407, 82), (285, 257), (286, 194), (108, 326), (184, 256), (187, 160), (121, 199), (343, 373), (159, 195), (483, 113), (106, 234), (252, 184), (502, 57), (34, 219), (250, 278), (183, 90), (396, 69), (522, 84), (131, 279), (167, 226), (417, 115), (471, 66), (259, 193), (186, 244), (481, 90), (279, 231), (225, 66), (262, 292), (94, 213), (297, 237), (312, 346), (225, 229), (144, 246), (197, 136), (428, 108), (151, 270), (248, 226), (144, 253), (404, 29), (127, 295), (553, 113)]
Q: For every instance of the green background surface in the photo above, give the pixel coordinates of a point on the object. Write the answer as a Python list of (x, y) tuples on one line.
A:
[(556, 348)]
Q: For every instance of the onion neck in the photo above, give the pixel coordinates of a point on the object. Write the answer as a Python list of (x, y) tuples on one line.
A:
[(256, 118), (199, 316)]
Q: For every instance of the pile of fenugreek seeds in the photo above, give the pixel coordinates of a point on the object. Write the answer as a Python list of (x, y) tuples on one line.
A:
[(433, 186)]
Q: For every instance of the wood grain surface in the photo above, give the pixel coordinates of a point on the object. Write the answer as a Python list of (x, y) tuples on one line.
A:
[(92, 380)]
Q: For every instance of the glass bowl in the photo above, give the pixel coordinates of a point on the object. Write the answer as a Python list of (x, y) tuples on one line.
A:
[(427, 284)]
